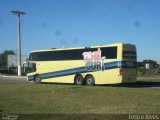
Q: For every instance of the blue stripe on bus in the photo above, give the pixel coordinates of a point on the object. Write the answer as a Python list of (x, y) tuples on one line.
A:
[(113, 65), (64, 72), (110, 65), (30, 78), (73, 71)]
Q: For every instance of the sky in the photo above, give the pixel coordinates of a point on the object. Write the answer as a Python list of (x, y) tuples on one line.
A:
[(76, 23)]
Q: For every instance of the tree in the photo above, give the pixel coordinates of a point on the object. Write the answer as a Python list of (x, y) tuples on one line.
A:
[(154, 63), (3, 58)]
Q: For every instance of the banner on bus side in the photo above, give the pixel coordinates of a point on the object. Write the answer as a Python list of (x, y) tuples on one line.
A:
[(94, 60)]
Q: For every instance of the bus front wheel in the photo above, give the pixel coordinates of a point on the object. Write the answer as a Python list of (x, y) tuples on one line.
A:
[(37, 79), (79, 80), (89, 80)]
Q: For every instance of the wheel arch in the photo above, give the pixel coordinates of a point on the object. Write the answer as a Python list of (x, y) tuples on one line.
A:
[(88, 75), (35, 76), (77, 76)]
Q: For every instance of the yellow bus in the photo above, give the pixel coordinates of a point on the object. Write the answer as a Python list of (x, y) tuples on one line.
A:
[(102, 64)]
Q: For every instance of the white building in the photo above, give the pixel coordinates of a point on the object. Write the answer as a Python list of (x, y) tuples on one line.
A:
[(149, 66), (13, 60)]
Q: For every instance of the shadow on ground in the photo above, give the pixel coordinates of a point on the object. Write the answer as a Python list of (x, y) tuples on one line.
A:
[(138, 84)]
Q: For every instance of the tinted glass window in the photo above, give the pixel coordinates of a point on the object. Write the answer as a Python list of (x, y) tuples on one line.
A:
[(77, 54), (32, 57), (109, 52), (129, 55), (51, 55)]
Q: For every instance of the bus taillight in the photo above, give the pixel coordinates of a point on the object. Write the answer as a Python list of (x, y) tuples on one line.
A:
[(121, 71)]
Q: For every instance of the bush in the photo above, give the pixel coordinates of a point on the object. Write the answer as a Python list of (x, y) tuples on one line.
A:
[(146, 72), (143, 71)]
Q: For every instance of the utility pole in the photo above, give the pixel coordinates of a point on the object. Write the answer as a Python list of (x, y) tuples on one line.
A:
[(19, 13)]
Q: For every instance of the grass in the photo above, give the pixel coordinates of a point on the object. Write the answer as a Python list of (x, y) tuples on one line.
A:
[(69, 99), (155, 78)]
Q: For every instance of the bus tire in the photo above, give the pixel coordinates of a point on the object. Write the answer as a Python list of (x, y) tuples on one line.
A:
[(78, 80), (37, 79), (89, 80)]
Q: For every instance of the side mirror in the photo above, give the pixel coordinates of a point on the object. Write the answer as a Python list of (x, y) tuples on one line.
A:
[(103, 57)]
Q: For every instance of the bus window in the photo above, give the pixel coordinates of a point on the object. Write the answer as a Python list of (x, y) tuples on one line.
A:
[(31, 67), (109, 52), (129, 55)]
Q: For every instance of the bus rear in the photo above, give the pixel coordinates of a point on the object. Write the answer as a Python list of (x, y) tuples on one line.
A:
[(128, 70)]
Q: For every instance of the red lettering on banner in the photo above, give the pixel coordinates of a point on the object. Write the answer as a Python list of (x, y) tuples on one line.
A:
[(94, 61), (96, 55)]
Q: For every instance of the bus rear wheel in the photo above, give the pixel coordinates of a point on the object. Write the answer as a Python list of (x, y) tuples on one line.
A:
[(78, 80), (89, 80), (37, 79)]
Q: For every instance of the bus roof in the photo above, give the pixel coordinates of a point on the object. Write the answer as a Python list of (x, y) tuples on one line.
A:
[(94, 46)]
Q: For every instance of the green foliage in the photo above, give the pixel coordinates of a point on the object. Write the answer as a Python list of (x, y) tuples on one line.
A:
[(3, 58), (155, 65), (146, 72), (142, 71)]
